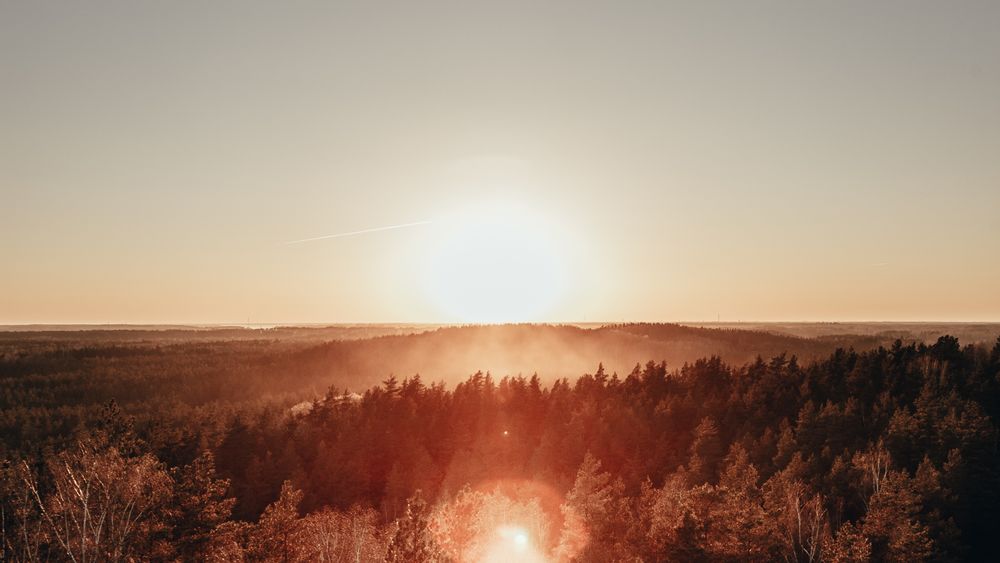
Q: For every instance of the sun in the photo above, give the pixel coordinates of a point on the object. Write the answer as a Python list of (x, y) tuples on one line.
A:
[(497, 264)]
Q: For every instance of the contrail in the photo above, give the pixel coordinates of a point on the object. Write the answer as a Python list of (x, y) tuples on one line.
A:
[(361, 232)]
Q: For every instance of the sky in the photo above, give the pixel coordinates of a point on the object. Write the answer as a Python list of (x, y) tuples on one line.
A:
[(548, 161)]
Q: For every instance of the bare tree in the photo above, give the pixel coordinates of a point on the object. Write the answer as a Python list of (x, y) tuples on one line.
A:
[(102, 506)]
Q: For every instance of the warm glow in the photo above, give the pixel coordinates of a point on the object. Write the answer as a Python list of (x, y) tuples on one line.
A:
[(512, 543), (507, 520), (497, 264)]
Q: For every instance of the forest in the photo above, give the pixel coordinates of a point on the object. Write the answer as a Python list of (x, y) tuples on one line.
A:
[(719, 445)]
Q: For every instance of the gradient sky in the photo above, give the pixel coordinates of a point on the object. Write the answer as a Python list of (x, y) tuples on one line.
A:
[(751, 160)]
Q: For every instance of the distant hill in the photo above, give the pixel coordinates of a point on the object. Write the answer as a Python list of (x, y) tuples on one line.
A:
[(553, 351), (234, 364), (927, 332), (61, 379)]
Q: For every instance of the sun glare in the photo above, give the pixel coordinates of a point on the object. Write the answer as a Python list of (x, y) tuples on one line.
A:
[(512, 543), (496, 264)]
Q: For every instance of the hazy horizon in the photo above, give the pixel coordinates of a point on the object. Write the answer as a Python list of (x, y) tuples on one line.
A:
[(596, 323)]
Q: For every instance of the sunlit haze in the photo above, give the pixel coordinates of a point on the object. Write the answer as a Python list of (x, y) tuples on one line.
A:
[(559, 161), (485, 282)]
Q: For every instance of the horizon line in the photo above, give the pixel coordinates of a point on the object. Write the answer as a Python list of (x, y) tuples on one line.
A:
[(322, 324)]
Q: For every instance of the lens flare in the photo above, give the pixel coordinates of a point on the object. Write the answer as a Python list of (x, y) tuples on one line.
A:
[(512, 543), (508, 520)]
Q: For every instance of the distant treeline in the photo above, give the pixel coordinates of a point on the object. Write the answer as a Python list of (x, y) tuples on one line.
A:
[(888, 454), (52, 383)]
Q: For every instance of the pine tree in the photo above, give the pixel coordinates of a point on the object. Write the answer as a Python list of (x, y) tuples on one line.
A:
[(411, 540), (275, 537), (199, 505), (706, 452)]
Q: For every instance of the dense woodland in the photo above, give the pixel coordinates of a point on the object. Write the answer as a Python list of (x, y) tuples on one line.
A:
[(887, 453), (51, 382)]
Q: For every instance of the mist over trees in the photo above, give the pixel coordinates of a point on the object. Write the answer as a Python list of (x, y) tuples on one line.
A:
[(884, 454)]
